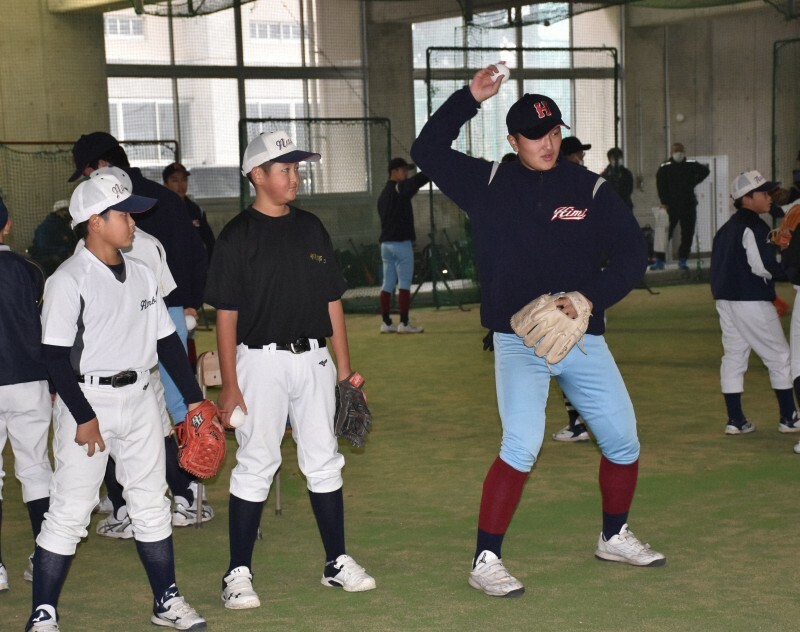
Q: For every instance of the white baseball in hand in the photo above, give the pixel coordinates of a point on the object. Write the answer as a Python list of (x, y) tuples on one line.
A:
[(191, 322), (237, 418), (85, 447), (502, 73)]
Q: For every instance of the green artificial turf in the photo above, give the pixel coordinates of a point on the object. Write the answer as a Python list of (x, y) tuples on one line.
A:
[(723, 509)]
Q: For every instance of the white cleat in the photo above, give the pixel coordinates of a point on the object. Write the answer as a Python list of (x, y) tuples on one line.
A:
[(350, 576), (491, 577), (238, 593), (797, 448), (3, 578), (27, 574), (626, 547), (43, 619), (737, 429), (388, 329), (571, 435), (409, 329), (176, 613)]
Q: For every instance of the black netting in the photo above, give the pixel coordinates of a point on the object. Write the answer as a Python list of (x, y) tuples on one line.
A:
[(186, 8)]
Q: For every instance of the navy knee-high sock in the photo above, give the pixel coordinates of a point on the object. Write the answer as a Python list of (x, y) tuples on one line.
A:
[(329, 512), (113, 488), (48, 578), (36, 510), (158, 559), (243, 520), (178, 479)]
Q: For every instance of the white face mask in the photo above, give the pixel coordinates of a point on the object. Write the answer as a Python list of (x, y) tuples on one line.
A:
[(679, 156)]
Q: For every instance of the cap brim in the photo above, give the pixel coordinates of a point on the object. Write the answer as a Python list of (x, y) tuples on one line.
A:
[(766, 187), (134, 204), (78, 173), (534, 134), (298, 156)]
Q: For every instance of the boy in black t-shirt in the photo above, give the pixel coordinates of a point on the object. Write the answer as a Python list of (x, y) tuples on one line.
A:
[(277, 290)]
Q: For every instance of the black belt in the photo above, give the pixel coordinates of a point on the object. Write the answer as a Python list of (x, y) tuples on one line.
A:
[(301, 345), (123, 378)]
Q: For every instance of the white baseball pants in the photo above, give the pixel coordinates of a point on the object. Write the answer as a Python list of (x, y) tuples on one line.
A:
[(276, 385), (752, 325), (25, 411), (130, 424)]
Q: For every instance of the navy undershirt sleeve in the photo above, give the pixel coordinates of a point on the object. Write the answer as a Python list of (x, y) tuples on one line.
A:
[(63, 378), (173, 356)]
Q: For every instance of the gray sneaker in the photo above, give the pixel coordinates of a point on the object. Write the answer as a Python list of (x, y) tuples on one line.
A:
[(116, 526), (491, 577)]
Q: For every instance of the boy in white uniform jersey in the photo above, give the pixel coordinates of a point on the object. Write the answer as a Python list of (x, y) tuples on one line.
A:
[(104, 327)]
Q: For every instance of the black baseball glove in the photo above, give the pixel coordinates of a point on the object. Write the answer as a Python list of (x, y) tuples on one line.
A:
[(352, 419)]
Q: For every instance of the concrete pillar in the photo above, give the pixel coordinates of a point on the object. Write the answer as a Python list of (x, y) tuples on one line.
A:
[(52, 73)]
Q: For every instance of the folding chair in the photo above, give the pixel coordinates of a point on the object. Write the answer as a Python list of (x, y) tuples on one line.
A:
[(209, 374)]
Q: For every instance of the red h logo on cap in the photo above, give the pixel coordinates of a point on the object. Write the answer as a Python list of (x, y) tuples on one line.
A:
[(542, 109)]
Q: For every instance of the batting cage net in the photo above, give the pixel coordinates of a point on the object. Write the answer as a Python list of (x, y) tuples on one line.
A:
[(785, 123), (33, 179)]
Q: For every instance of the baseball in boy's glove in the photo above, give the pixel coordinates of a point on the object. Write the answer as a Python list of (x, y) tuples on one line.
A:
[(547, 329), (201, 445), (352, 419)]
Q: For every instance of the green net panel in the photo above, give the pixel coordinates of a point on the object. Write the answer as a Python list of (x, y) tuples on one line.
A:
[(33, 177), (185, 8), (785, 122)]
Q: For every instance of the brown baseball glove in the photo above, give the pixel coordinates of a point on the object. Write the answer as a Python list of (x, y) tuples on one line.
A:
[(201, 445), (352, 419), (545, 327), (782, 235)]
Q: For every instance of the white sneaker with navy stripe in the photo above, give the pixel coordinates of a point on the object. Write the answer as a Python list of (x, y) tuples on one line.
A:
[(172, 611), (491, 577), (349, 575), (43, 619)]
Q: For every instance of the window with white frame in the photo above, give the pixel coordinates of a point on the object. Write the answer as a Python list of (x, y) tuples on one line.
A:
[(274, 31), (143, 120), (124, 26)]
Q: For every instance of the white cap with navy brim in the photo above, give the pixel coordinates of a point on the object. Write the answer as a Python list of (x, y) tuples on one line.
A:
[(274, 147), (102, 192)]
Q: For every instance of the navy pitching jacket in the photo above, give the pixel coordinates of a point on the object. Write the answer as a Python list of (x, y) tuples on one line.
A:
[(534, 231), (21, 285), (732, 279)]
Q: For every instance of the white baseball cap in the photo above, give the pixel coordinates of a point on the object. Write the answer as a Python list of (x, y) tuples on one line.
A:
[(749, 182), (274, 147), (118, 173), (104, 191)]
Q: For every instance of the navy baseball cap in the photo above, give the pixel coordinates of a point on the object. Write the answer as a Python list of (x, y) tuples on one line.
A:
[(88, 148), (399, 163), (3, 214), (175, 167), (533, 116), (571, 145)]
